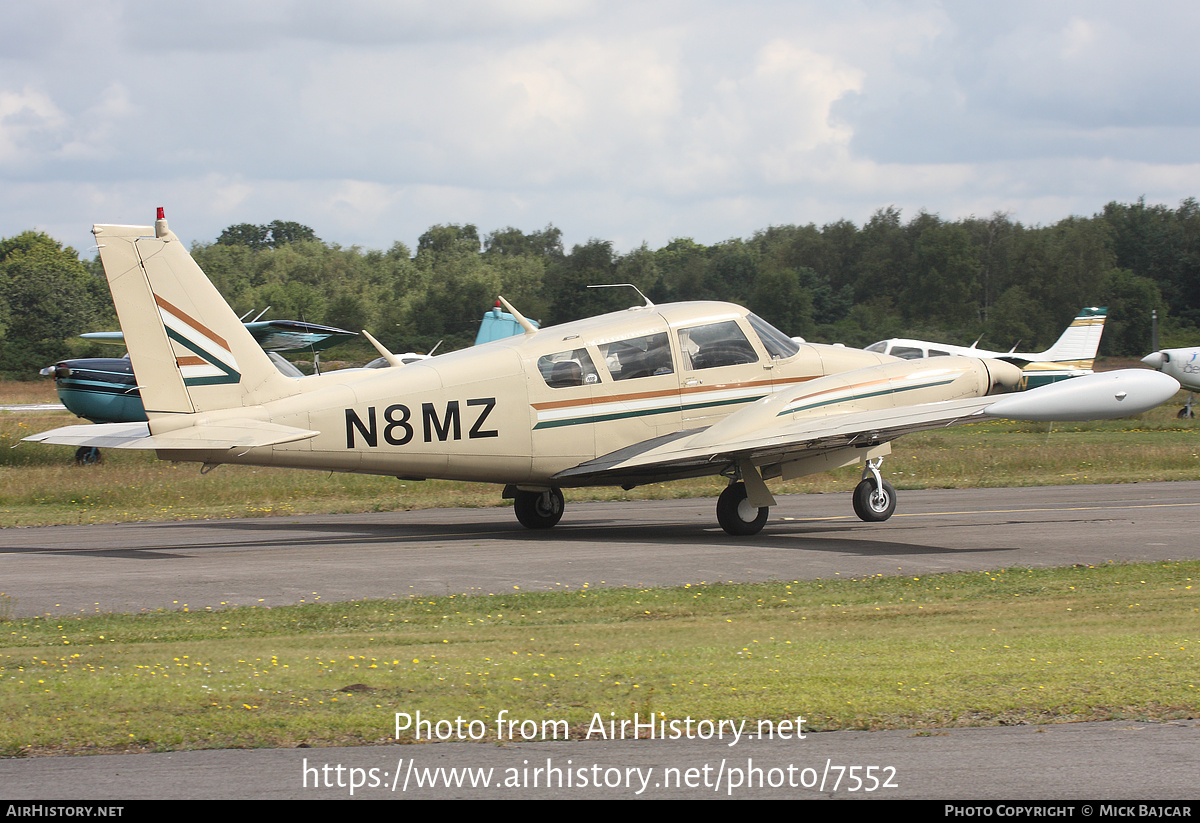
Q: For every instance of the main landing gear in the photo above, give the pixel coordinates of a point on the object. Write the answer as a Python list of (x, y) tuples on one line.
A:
[(88, 455), (874, 497), (538, 509), (737, 515)]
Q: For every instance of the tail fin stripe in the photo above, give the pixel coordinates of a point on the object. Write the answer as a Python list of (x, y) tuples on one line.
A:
[(169, 311), (204, 369), (213, 363)]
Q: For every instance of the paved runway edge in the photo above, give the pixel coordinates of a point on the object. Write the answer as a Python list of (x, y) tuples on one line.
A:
[(1117, 760)]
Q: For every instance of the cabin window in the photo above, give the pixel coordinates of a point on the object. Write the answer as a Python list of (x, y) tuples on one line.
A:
[(777, 344), (568, 368), (715, 344), (638, 357), (907, 352), (936, 353)]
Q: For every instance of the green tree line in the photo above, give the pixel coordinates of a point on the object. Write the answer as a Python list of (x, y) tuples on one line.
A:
[(990, 279)]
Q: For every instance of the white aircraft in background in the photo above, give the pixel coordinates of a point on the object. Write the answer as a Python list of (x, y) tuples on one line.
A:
[(1184, 366), (1071, 356), (646, 395)]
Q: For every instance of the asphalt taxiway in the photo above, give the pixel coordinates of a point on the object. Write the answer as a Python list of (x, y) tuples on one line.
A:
[(280, 560)]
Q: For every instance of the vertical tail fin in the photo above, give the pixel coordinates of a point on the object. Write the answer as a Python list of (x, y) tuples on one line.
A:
[(1081, 339), (190, 352)]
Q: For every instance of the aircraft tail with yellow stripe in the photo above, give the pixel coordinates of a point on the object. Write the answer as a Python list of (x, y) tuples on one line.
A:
[(1079, 343)]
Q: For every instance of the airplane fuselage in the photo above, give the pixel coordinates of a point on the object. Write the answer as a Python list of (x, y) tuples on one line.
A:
[(523, 409)]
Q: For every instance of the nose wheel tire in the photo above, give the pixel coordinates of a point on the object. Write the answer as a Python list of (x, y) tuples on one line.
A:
[(737, 515), (872, 504), (539, 510)]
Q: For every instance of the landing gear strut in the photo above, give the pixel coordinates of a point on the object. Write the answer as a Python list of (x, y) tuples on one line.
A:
[(874, 497), (538, 510)]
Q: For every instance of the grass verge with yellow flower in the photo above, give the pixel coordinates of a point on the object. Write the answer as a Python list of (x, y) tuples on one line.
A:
[(984, 648)]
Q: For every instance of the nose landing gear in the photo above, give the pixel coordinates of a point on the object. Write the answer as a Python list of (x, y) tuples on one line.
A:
[(874, 497)]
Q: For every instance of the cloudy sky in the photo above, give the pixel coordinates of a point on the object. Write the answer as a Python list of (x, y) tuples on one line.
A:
[(371, 120)]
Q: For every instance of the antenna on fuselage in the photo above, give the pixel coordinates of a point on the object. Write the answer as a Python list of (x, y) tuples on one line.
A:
[(520, 318), (391, 359), (648, 305)]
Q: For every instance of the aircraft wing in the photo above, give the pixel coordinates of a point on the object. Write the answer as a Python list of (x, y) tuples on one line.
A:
[(112, 338), (772, 433), (293, 335), (272, 335), (698, 453), (226, 434)]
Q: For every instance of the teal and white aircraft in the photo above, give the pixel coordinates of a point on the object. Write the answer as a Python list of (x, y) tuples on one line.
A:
[(1071, 356)]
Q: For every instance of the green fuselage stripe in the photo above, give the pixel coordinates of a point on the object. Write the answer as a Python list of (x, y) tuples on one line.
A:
[(600, 418), (863, 396)]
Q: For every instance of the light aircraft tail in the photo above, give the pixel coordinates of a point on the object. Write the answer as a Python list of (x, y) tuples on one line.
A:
[(1078, 344), (190, 352)]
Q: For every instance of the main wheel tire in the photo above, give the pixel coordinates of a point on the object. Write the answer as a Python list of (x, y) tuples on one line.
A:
[(737, 515), (539, 510), (88, 455), (872, 505)]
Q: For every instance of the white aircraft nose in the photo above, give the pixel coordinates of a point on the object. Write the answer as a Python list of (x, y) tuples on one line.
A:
[(1155, 360)]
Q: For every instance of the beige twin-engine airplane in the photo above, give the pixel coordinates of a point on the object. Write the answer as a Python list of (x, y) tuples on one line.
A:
[(650, 394)]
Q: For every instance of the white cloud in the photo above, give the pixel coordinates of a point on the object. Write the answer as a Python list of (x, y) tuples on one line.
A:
[(628, 121), (29, 120)]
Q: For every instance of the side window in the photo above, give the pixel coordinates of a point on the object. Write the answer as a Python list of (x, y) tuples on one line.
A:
[(715, 344), (638, 357), (567, 368), (907, 352)]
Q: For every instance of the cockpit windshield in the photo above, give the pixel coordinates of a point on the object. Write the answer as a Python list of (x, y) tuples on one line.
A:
[(777, 344)]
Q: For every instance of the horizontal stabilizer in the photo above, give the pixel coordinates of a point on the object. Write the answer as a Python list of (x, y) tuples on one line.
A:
[(227, 434)]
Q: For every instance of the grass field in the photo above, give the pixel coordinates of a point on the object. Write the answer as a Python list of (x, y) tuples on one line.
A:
[(986, 648)]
